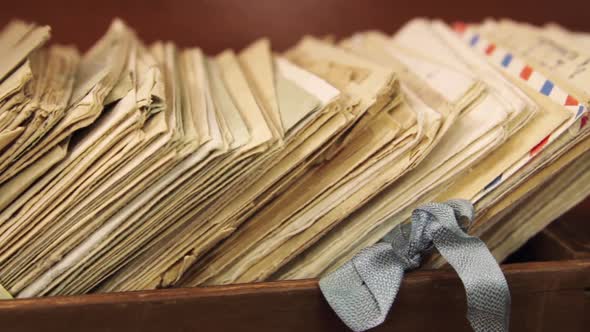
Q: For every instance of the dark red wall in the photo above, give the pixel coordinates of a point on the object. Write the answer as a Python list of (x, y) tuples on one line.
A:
[(216, 24)]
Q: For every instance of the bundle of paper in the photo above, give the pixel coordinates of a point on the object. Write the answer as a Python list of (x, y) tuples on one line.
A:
[(194, 222), (466, 111), (358, 103), (135, 167), (178, 133), (32, 94), (44, 222), (538, 116)]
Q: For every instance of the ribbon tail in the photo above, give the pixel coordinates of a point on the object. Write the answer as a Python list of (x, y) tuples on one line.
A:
[(488, 295), (362, 291)]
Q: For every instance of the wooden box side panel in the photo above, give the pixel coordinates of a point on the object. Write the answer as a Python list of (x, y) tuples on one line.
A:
[(545, 297)]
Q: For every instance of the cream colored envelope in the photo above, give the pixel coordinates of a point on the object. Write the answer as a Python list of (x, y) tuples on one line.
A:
[(293, 156), (196, 160), (301, 265), (486, 132), (305, 192), (538, 211), (421, 35), (116, 124), (56, 67), (82, 206), (543, 53), (193, 102), (198, 278), (12, 95), (519, 144), (21, 107), (19, 203), (326, 94), (301, 146), (257, 63), (500, 208), (19, 183), (366, 183), (7, 137), (233, 76), (312, 104), (17, 41), (554, 120), (97, 73), (30, 198), (68, 171), (576, 40), (338, 67), (563, 62), (229, 64), (425, 36)]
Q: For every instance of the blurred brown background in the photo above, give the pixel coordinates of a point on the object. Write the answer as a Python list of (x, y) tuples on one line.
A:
[(216, 24)]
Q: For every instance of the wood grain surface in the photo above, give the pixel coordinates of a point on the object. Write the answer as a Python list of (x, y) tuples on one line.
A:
[(545, 297)]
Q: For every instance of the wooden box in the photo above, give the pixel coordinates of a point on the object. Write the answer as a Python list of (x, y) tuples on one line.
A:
[(549, 293), (546, 296)]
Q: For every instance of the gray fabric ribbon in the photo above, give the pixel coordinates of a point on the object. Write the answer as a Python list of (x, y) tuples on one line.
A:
[(362, 291)]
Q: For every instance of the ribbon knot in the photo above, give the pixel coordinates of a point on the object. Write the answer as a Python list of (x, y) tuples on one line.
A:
[(363, 290)]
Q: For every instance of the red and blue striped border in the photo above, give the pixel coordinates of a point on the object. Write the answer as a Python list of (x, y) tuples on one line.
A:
[(517, 68)]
